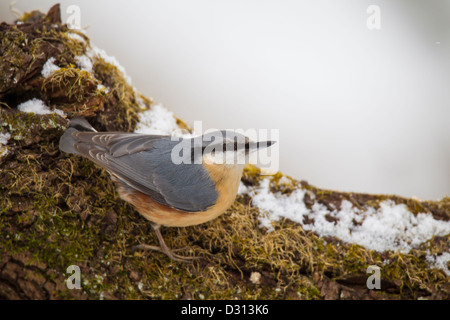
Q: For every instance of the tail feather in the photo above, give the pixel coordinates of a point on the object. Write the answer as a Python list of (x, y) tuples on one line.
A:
[(67, 142)]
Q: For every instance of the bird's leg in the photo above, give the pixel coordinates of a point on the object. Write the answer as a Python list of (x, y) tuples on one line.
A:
[(163, 247)]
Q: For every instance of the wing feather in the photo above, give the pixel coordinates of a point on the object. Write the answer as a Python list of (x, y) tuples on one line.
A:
[(143, 162)]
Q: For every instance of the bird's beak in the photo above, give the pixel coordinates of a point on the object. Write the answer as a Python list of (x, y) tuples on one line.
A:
[(264, 144)]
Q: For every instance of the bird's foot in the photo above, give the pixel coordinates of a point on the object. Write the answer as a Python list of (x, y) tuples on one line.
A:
[(164, 249)]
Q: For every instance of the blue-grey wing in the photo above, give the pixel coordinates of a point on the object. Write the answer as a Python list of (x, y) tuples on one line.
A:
[(144, 163)]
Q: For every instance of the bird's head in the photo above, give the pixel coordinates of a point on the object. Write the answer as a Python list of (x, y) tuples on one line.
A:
[(228, 147)]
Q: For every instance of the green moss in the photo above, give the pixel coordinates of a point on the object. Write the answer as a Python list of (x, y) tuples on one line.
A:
[(77, 86), (124, 104)]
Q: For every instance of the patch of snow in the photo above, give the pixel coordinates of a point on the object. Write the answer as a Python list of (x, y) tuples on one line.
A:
[(76, 37), (391, 227), (275, 206), (441, 262), (255, 277), (101, 87), (94, 52), (84, 63), (284, 181), (157, 120), (49, 67), (4, 137), (242, 189), (38, 107)]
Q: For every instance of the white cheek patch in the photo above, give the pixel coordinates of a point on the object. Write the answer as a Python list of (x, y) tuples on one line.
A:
[(215, 157)]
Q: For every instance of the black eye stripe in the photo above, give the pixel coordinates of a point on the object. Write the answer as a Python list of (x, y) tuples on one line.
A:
[(228, 146)]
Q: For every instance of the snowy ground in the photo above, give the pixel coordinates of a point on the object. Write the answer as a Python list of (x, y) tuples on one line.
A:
[(4, 137), (38, 106), (391, 227)]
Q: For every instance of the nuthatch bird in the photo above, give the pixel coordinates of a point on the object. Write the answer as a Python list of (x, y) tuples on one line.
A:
[(167, 188)]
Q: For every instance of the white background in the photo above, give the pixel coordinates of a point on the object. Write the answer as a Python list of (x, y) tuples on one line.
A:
[(358, 110)]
